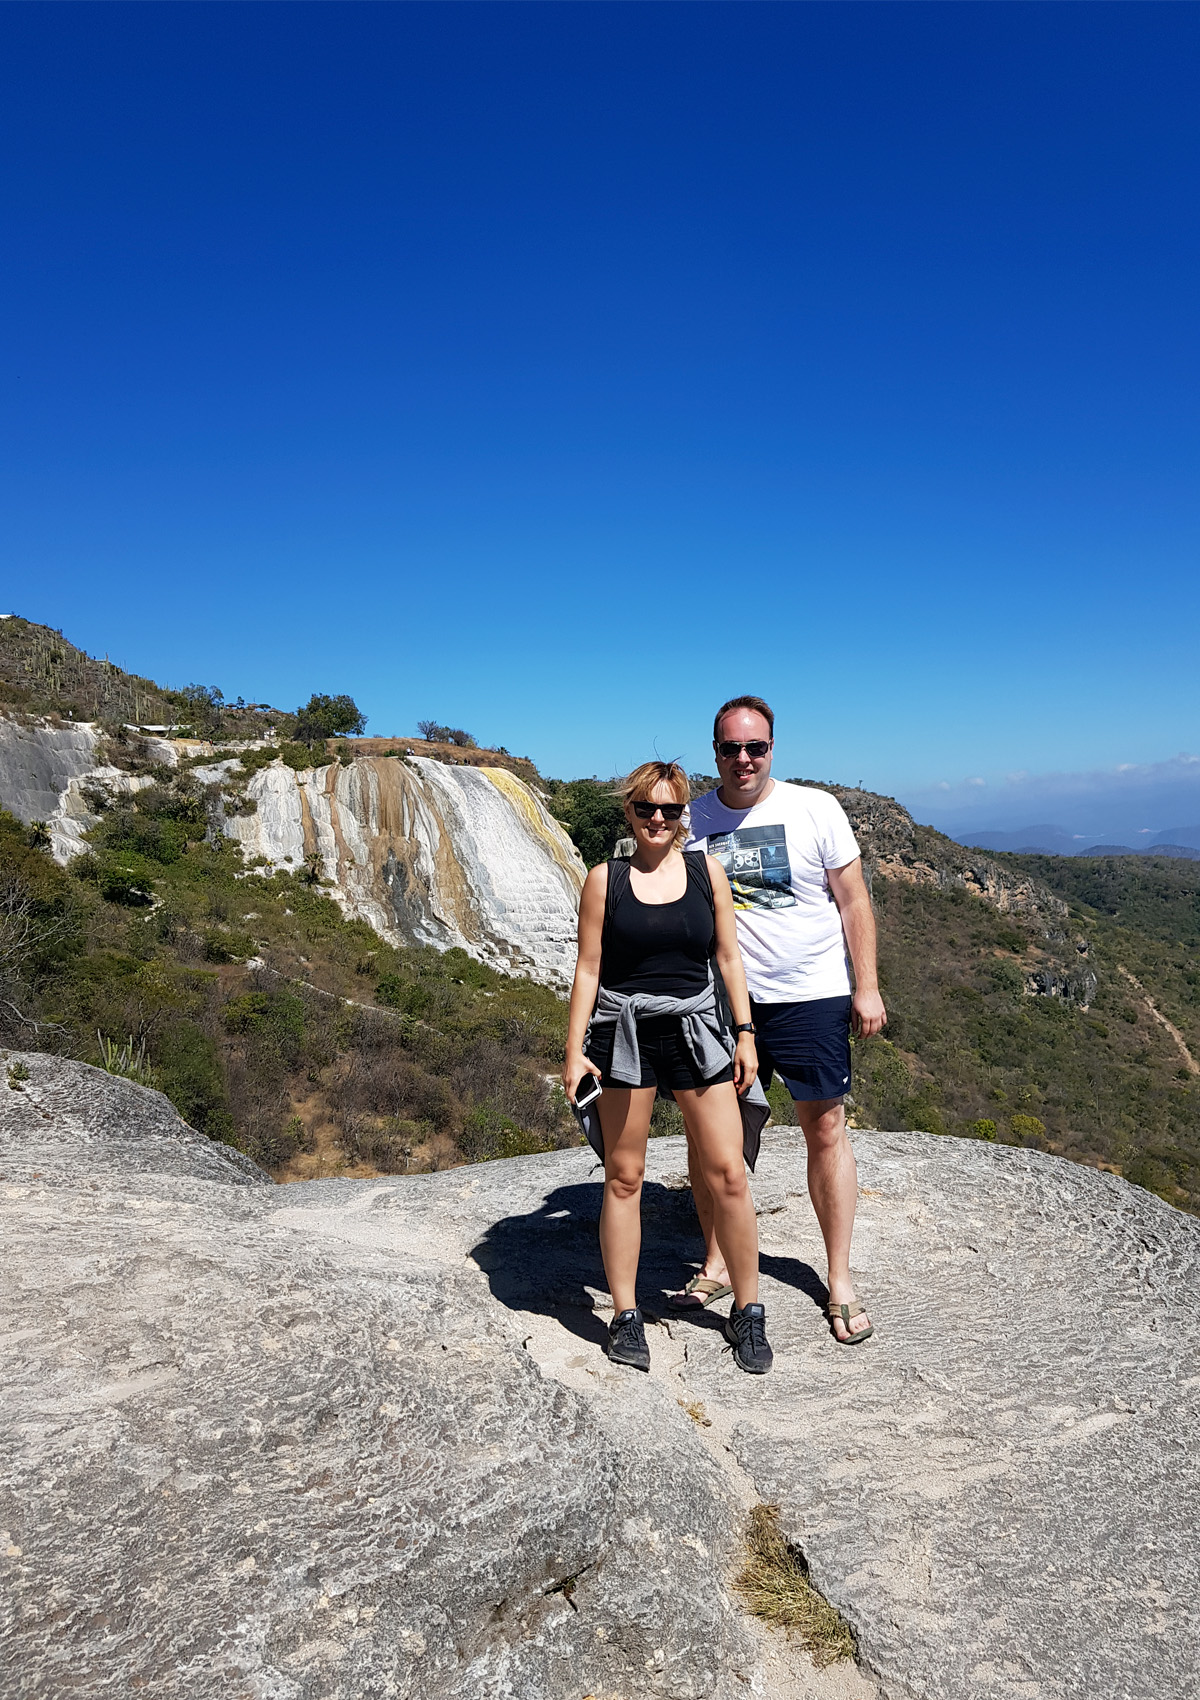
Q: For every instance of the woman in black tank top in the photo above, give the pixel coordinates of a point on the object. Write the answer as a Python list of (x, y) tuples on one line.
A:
[(650, 929)]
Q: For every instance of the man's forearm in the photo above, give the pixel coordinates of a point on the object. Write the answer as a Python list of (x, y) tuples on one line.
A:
[(858, 924)]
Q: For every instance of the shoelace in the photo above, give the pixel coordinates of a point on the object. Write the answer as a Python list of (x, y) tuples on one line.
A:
[(756, 1328)]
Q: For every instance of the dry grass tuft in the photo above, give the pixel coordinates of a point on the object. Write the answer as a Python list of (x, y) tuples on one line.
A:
[(774, 1583), (695, 1410)]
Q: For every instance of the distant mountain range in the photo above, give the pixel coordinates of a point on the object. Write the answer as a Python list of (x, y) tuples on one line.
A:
[(1057, 841)]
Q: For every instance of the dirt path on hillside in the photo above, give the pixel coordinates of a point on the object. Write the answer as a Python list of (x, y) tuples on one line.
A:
[(1193, 1067)]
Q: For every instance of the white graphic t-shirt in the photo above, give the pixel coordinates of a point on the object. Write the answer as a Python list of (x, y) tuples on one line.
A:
[(775, 856)]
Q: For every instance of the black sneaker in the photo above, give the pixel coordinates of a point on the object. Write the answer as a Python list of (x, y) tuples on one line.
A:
[(746, 1331), (627, 1340)]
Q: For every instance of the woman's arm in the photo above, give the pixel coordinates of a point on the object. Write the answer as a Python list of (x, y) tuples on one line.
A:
[(729, 961), (587, 978)]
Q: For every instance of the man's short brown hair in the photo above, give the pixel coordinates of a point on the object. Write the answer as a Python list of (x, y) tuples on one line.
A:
[(755, 703)]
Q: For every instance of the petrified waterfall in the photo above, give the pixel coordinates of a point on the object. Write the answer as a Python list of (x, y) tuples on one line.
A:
[(424, 852), (428, 854)]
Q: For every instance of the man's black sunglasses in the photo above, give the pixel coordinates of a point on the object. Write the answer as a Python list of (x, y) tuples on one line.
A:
[(756, 749), (669, 811)]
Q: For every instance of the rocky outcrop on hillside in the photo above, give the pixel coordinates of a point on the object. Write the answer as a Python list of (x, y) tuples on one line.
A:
[(428, 854), (51, 772), (425, 852), (344, 1438), (896, 847)]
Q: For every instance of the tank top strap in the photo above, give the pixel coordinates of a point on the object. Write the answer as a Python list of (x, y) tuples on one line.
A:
[(697, 867), (698, 874), (618, 885)]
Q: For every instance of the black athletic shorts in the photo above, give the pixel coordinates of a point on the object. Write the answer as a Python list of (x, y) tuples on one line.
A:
[(662, 1052), (806, 1044)]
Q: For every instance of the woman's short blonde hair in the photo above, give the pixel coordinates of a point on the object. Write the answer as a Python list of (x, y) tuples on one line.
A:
[(637, 786)]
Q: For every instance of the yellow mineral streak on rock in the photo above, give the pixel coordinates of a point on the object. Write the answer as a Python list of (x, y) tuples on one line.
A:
[(543, 825)]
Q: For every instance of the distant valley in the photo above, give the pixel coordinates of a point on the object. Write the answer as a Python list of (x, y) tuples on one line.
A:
[(1176, 841)]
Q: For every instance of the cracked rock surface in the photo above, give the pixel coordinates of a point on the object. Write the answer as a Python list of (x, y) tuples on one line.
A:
[(351, 1439)]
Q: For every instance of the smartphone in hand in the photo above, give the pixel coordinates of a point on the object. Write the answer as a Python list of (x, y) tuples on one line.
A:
[(588, 1090)]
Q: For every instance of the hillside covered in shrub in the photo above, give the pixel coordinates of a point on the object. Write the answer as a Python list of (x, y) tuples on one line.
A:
[(1033, 1000), (269, 1019)]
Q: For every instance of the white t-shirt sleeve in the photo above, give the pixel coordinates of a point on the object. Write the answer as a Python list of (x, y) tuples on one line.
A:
[(835, 835)]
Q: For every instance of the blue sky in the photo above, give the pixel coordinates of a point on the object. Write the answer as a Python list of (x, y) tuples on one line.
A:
[(559, 370)]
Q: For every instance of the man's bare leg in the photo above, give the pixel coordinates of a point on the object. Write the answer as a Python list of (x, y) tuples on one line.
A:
[(715, 1156), (714, 1267), (833, 1188)]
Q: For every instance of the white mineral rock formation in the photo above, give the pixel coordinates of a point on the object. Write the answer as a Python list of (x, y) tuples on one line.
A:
[(424, 852), (45, 770), (428, 854)]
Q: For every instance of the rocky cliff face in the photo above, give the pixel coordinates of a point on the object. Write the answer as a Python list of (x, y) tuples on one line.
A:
[(46, 770), (425, 852), (428, 854), (354, 1438), (894, 847)]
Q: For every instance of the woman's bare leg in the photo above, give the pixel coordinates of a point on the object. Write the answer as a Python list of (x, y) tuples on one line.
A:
[(625, 1123), (715, 1126)]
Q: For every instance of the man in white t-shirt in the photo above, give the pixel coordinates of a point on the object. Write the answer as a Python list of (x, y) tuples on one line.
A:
[(801, 901)]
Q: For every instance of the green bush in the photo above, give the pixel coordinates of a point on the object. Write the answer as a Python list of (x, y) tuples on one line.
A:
[(189, 1070), (125, 886), (277, 1014), (783, 1108), (982, 1128), (592, 815), (410, 997), (1027, 1130)]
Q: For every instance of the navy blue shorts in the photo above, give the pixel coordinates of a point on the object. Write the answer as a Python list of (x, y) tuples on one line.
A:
[(662, 1052), (806, 1044)]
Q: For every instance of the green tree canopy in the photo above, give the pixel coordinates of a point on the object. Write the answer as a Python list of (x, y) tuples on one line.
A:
[(328, 717)]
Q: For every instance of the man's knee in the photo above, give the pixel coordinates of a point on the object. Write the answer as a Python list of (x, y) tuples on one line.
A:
[(823, 1123)]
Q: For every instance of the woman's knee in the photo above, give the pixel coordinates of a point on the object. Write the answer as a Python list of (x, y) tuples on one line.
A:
[(624, 1182), (727, 1181)]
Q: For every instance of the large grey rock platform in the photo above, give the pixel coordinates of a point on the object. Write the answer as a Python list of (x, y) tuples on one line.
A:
[(354, 1438)]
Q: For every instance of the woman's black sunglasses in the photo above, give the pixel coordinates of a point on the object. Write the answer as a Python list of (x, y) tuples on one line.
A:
[(756, 749), (668, 811)]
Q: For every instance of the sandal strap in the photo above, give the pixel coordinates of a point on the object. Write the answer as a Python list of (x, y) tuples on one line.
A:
[(846, 1311)]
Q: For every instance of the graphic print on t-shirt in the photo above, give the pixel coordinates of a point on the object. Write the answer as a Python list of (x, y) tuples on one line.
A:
[(755, 860)]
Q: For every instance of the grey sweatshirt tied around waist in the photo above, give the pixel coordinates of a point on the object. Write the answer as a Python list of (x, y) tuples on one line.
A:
[(708, 1035)]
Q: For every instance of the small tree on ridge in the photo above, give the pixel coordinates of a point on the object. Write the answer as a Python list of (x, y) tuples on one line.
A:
[(328, 717)]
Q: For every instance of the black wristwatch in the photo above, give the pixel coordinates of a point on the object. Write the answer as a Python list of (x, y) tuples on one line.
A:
[(745, 1027)]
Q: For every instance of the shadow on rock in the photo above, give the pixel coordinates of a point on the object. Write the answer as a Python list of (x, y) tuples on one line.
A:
[(548, 1260), (791, 1272)]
